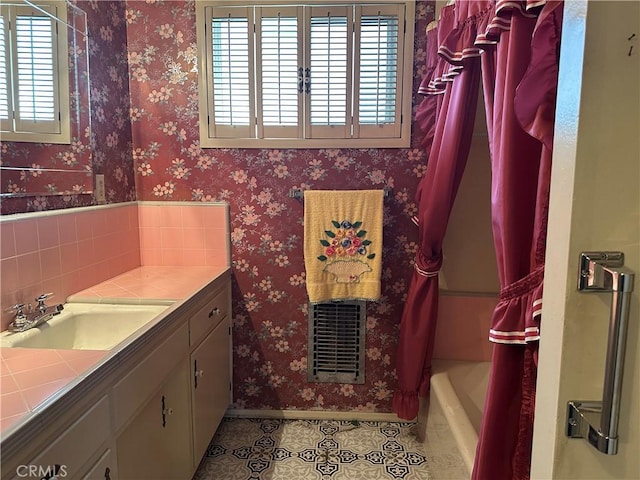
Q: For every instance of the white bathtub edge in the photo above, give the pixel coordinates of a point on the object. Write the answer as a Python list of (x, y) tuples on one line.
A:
[(463, 431)]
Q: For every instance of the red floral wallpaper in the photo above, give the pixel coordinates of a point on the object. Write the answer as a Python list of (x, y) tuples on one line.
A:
[(269, 296), (110, 126)]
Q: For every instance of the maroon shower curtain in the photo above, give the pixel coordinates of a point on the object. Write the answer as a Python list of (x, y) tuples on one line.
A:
[(435, 197), (520, 43), (521, 71)]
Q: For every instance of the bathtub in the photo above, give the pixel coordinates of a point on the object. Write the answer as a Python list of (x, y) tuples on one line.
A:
[(458, 390)]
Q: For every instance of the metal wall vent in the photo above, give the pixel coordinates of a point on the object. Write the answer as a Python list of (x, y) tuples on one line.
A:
[(336, 342)]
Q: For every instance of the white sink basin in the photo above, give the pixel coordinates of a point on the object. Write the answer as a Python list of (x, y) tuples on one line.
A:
[(85, 326)]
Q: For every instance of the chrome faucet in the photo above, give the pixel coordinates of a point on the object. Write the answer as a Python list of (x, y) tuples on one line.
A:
[(34, 317)]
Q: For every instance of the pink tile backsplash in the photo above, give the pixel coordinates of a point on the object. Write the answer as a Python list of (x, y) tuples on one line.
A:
[(67, 251), (183, 234)]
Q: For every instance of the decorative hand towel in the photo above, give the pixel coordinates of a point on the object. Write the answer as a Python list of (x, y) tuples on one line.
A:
[(343, 244)]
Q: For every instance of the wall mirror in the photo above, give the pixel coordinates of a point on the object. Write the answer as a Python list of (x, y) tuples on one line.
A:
[(42, 162)]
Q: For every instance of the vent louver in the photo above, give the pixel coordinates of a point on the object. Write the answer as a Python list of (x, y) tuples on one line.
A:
[(336, 342)]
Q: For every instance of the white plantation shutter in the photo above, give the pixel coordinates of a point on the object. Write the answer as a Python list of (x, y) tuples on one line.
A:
[(278, 60), (330, 73), (231, 71), (5, 97), (307, 75), (379, 71), (34, 75)]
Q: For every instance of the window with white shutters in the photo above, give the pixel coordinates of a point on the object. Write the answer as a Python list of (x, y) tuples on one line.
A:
[(305, 75), (34, 84)]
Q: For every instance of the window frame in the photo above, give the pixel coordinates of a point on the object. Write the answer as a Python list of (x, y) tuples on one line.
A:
[(352, 135), (58, 130)]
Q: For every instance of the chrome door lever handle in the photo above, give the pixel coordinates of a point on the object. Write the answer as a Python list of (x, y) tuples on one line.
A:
[(597, 421)]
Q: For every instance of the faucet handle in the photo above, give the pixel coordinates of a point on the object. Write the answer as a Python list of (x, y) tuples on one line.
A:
[(44, 296), (41, 299), (17, 309)]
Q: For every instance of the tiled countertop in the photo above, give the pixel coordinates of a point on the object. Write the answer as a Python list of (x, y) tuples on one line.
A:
[(32, 378)]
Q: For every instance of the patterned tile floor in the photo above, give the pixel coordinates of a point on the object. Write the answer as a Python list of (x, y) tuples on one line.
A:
[(274, 449)]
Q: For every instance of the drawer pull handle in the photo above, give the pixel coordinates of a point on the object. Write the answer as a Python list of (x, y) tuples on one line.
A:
[(215, 311), (196, 373), (165, 411)]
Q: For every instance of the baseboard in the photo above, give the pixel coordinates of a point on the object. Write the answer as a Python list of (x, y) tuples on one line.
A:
[(313, 415)]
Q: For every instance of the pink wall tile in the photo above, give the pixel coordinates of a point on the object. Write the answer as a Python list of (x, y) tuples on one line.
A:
[(69, 257), (8, 272), (171, 237), (7, 241), (215, 216), (194, 257), (463, 326), (83, 226), (193, 216), (193, 238), (151, 256), (215, 237), (47, 232), (50, 263), (29, 268), (172, 256), (150, 238), (216, 257), (149, 216), (26, 234), (67, 229), (98, 221), (171, 216)]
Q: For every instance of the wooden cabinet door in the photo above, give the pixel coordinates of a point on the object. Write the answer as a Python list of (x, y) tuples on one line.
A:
[(157, 443), (210, 384), (103, 469)]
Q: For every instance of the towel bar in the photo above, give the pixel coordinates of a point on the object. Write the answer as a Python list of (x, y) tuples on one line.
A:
[(298, 193)]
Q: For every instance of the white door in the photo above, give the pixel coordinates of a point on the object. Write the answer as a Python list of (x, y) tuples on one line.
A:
[(595, 206)]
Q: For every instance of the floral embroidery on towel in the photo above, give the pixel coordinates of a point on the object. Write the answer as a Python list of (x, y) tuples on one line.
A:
[(345, 252)]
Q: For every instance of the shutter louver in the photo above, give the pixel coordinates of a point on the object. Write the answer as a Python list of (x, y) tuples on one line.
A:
[(231, 91), (329, 75), (378, 69), (279, 55)]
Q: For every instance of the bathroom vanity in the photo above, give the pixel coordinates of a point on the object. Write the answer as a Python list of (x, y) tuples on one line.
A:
[(148, 408)]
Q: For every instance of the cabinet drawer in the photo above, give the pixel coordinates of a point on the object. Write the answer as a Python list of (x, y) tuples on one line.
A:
[(208, 317), (75, 447), (132, 391)]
